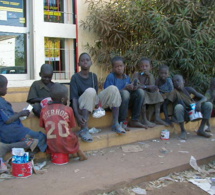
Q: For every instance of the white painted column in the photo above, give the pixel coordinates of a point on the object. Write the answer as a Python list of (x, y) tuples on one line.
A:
[(38, 38)]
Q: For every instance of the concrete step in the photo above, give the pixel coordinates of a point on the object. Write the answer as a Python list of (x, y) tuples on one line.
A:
[(17, 94), (106, 138)]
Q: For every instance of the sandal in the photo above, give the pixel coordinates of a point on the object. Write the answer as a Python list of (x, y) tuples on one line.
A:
[(85, 135), (118, 129)]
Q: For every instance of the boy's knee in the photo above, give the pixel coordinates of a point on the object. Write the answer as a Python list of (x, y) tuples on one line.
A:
[(179, 108), (112, 89), (207, 105), (125, 95), (140, 93), (90, 92)]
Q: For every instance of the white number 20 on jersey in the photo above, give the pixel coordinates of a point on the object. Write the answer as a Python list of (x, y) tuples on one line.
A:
[(62, 125)]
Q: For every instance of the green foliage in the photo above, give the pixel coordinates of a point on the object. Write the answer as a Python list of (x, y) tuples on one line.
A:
[(179, 33)]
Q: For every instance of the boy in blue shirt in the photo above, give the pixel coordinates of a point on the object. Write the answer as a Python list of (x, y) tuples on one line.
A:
[(11, 128), (131, 96)]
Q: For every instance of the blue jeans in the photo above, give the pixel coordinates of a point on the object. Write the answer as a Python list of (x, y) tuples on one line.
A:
[(133, 100)]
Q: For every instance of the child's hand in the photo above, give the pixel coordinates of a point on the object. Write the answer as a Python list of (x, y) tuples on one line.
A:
[(147, 73), (135, 84), (198, 107), (81, 120), (24, 113), (130, 87), (152, 88)]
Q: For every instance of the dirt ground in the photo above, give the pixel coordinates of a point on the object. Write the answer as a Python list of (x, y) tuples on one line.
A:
[(178, 189), (114, 168), (172, 189)]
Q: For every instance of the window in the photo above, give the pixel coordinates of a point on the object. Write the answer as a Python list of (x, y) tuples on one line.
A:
[(55, 55), (12, 53), (53, 11), (13, 13)]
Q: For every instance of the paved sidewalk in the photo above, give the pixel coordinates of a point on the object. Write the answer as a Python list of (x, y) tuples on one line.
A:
[(111, 168)]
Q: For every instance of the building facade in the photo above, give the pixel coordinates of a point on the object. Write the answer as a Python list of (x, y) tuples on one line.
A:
[(34, 32)]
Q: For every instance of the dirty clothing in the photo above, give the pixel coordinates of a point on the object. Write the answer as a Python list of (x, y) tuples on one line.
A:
[(149, 97), (58, 121), (109, 97), (119, 83), (15, 131), (85, 90), (180, 112), (166, 87), (38, 90), (182, 101), (130, 99)]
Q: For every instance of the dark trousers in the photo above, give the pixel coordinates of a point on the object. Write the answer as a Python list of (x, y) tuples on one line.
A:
[(133, 100)]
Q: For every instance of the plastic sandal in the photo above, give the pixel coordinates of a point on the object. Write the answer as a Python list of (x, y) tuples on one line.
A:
[(85, 135), (118, 129)]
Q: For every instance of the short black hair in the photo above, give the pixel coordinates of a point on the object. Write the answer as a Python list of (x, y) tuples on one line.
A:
[(46, 68), (3, 80), (178, 75), (58, 91), (84, 53), (144, 59), (117, 58), (163, 66)]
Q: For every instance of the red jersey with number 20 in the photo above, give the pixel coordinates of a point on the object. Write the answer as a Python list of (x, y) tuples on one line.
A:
[(58, 121)]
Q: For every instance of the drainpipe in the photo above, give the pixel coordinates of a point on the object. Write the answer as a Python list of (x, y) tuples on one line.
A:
[(75, 19)]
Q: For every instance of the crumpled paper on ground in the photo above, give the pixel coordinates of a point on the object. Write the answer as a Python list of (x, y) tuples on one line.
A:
[(204, 184), (193, 164)]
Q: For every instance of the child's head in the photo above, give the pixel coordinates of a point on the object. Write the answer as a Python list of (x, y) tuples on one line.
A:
[(144, 64), (163, 72), (84, 61), (3, 85), (178, 81), (46, 73), (118, 65), (212, 85), (59, 93)]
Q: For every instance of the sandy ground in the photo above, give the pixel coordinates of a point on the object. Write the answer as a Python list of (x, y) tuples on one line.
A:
[(111, 168)]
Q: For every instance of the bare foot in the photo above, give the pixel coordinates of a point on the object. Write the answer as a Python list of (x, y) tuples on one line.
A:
[(75, 155), (149, 124), (203, 134), (207, 128), (136, 124), (161, 122), (81, 155), (82, 158), (183, 135)]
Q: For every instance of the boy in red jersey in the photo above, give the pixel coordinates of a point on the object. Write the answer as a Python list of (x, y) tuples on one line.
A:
[(58, 121)]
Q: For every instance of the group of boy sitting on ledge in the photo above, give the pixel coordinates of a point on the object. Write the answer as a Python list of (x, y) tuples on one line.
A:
[(120, 94)]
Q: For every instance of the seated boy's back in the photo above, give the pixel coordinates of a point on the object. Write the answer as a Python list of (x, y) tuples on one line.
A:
[(58, 121)]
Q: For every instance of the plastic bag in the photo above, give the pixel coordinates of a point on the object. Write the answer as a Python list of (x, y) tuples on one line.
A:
[(29, 108), (99, 112), (45, 102)]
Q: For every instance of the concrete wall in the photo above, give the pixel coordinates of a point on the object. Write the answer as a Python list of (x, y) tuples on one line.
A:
[(85, 37)]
